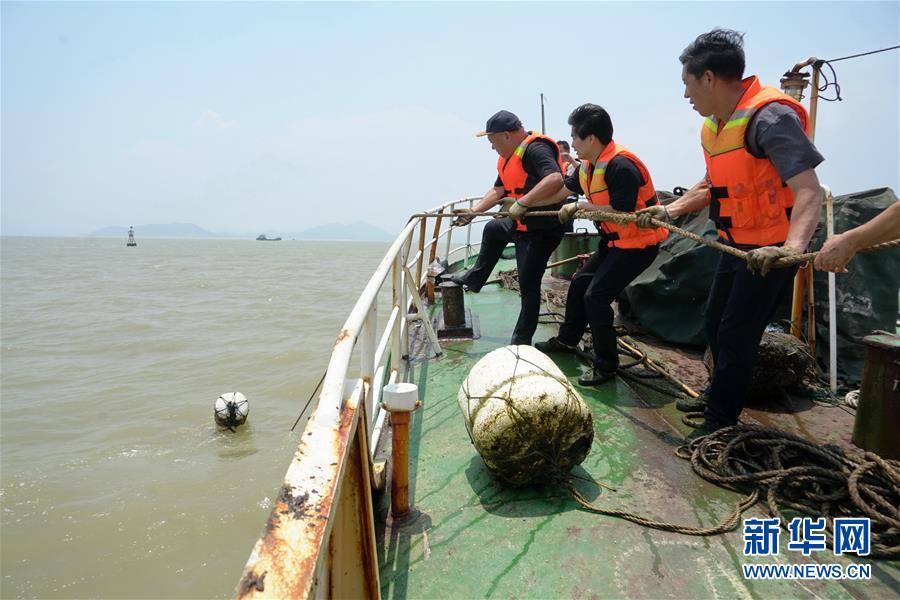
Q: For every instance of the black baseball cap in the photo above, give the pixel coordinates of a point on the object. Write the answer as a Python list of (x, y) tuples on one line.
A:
[(500, 122)]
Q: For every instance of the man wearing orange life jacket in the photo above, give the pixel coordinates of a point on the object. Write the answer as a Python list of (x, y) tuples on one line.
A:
[(764, 196), (613, 180), (529, 172)]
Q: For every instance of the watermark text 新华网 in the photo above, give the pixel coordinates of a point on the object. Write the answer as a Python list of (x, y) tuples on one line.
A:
[(851, 536)]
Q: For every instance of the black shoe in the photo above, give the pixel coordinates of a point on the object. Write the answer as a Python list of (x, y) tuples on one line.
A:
[(596, 377), (554, 345), (687, 405), (707, 428), (458, 279)]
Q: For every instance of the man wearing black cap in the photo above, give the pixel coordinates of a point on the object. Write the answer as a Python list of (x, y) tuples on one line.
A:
[(529, 172)]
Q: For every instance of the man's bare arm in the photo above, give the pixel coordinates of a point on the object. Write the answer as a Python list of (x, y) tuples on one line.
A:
[(839, 249), (805, 214), (693, 200), (489, 200)]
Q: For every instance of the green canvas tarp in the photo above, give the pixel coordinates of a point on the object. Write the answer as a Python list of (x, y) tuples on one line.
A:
[(669, 297)]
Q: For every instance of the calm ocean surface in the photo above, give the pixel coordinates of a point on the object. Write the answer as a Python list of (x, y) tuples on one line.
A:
[(114, 480)]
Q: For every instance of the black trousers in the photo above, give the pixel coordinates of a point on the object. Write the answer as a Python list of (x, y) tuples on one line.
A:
[(533, 250), (602, 278), (496, 235), (740, 306)]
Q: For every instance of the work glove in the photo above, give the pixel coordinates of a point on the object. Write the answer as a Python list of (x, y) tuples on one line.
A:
[(760, 260), (651, 212), (464, 216), (505, 203), (567, 212), (517, 211)]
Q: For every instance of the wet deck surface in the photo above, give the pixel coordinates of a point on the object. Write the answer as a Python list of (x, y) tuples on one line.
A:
[(472, 537)]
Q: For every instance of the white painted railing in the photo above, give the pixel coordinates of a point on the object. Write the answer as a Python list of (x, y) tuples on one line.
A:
[(324, 513)]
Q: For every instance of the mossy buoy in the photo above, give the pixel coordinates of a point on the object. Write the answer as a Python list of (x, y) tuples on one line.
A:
[(231, 410), (528, 423)]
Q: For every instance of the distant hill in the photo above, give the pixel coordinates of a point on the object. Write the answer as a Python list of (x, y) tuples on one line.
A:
[(359, 231), (169, 230)]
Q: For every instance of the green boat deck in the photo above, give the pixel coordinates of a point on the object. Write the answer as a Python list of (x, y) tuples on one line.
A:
[(471, 537)]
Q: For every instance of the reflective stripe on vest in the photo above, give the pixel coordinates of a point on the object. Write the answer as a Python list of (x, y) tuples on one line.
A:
[(749, 202), (593, 184), (512, 171)]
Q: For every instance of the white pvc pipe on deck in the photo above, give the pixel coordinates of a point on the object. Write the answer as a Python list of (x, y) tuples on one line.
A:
[(832, 292)]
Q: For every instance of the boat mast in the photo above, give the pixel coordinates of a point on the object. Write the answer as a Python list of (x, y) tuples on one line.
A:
[(543, 124)]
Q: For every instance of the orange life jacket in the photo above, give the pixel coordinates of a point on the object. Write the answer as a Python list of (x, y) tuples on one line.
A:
[(512, 172), (749, 202), (593, 184)]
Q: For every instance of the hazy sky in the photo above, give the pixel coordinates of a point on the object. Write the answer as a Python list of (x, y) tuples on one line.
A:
[(245, 117)]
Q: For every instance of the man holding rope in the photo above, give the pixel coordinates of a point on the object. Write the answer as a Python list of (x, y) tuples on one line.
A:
[(614, 181), (529, 173), (764, 196)]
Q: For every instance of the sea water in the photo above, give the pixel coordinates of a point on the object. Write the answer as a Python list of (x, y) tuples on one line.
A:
[(114, 479)]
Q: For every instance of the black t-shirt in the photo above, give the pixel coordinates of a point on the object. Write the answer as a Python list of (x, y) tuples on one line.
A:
[(538, 161), (777, 134), (623, 180)]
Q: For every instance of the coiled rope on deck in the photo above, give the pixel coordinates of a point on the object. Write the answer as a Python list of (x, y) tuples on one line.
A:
[(791, 473), (811, 479)]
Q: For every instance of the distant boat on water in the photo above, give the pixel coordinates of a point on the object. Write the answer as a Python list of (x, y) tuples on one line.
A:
[(131, 241), (262, 238)]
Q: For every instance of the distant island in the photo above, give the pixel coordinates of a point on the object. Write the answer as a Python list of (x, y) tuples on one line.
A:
[(359, 231), (263, 238)]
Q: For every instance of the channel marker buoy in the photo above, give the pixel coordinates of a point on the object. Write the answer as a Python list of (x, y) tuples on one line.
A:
[(231, 410)]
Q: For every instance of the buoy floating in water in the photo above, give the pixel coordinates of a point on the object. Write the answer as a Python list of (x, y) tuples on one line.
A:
[(231, 409)]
